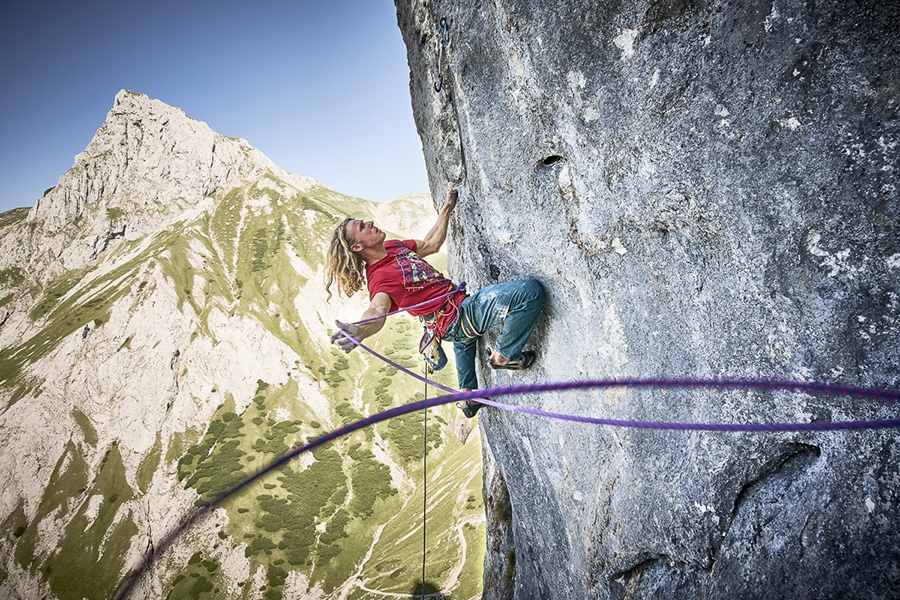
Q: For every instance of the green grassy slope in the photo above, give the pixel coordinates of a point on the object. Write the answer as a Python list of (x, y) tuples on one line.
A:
[(350, 518)]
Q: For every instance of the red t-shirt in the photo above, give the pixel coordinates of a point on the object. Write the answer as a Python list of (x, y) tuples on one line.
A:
[(408, 280)]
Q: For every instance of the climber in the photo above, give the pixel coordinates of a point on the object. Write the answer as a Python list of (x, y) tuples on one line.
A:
[(397, 276)]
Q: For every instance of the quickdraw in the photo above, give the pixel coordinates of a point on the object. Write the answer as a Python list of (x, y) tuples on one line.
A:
[(430, 344), (444, 36)]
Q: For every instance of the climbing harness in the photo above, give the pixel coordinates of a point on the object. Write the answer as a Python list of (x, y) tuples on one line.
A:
[(467, 327), (440, 68), (430, 344)]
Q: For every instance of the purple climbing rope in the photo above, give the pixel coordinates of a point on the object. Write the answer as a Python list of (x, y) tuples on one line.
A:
[(485, 397), (735, 427)]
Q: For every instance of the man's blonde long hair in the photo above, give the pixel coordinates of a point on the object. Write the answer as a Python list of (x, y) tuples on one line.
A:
[(343, 266)]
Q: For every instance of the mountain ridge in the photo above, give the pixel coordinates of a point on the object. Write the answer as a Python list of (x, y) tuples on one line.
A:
[(142, 141)]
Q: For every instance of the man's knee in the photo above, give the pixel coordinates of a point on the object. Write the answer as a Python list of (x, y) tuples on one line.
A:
[(534, 289)]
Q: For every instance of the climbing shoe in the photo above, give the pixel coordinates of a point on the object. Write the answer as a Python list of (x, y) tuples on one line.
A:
[(470, 408), (525, 361)]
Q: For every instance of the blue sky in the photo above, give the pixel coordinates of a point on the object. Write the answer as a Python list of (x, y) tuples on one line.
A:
[(320, 87)]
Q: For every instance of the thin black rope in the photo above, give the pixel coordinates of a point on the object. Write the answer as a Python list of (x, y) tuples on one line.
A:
[(424, 479)]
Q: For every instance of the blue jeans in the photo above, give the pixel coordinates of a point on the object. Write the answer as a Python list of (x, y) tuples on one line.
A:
[(514, 305)]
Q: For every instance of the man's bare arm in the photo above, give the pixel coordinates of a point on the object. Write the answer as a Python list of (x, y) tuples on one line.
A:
[(434, 239), (380, 305)]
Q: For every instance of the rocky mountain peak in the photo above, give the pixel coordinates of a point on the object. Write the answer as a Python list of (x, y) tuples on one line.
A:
[(147, 165)]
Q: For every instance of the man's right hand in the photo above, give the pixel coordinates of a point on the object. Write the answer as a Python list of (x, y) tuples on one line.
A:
[(452, 198), (341, 340)]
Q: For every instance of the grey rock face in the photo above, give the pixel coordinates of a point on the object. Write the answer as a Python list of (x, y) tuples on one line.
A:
[(706, 189)]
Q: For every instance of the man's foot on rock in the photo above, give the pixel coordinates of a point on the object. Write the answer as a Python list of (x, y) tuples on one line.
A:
[(470, 408), (525, 361)]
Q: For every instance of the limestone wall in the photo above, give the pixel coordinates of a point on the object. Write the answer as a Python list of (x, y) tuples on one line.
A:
[(706, 189)]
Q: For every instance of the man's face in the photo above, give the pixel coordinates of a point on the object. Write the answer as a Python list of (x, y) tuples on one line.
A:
[(364, 234)]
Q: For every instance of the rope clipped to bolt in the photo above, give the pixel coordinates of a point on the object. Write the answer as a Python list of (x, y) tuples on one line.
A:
[(440, 68)]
